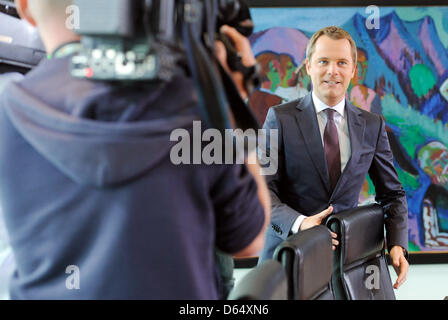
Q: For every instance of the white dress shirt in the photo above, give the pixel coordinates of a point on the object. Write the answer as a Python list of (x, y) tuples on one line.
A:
[(340, 120)]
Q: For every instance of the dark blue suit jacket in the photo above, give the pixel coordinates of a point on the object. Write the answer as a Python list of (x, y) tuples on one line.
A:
[(302, 184)]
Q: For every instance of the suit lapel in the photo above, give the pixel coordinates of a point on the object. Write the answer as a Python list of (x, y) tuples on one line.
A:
[(356, 127), (309, 127)]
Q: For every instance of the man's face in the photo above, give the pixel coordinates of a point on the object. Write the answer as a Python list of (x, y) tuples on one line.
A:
[(331, 68)]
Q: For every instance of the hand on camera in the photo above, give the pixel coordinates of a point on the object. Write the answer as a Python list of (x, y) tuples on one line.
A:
[(242, 46)]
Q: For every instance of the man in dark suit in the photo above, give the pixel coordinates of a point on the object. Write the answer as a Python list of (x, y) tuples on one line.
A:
[(325, 149)]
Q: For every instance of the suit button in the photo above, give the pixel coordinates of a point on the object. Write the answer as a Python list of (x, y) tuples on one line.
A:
[(277, 229)]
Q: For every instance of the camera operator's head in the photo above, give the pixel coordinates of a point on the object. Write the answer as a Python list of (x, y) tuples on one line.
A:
[(49, 16)]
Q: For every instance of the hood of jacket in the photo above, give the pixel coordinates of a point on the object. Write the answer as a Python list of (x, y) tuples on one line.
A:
[(96, 133)]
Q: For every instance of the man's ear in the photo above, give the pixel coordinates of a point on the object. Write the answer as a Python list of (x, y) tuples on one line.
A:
[(307, 64), (355, 72), (24, 11)]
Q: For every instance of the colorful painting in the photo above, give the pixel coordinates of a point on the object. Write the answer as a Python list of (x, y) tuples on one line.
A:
[(402, 74)]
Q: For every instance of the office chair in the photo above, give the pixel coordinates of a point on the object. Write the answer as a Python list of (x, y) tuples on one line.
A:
[(266, 281), (361, 271), (308, 260)]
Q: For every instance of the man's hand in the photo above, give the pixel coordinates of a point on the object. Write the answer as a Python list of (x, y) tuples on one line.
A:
[(242, 46), (400, 265), (316, 220)]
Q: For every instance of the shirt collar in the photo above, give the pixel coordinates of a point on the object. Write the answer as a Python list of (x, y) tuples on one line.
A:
[(320, 106)]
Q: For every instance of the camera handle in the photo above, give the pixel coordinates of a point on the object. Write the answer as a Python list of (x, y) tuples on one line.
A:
[(220, 102)]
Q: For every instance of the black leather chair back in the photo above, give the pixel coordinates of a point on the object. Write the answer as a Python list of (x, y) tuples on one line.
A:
[(266, 281), (361, 271), (307, 259)]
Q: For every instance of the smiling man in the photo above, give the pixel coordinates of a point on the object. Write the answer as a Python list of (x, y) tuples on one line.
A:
[(326, 148)]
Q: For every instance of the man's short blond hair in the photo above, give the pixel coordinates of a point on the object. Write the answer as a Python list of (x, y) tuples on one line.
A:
[(334, 33)]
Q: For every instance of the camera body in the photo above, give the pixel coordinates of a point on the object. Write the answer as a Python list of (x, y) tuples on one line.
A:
[(147, 40), (143, 40), (123, 40)]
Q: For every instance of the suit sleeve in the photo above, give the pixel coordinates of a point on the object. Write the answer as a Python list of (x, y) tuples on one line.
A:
[(272, 160), (389, 192)]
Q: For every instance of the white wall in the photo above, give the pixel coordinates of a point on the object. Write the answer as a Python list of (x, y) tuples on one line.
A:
[(424, 282)]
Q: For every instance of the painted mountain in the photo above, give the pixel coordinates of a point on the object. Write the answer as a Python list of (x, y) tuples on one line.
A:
[(402, 74)]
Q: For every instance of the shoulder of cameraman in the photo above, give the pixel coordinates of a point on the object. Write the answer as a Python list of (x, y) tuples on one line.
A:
[(241, 214)]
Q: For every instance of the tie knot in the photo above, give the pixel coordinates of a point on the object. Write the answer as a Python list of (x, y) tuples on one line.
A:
[(330, 113)]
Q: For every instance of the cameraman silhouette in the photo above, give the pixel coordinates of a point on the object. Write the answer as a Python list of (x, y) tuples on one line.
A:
[(93, 205)]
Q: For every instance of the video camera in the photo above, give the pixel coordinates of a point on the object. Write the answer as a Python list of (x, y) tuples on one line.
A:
[(154, 40), (145, 39), (148, 40)]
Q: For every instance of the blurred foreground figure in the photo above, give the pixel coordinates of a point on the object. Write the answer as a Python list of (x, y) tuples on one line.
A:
[(93, 205)]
